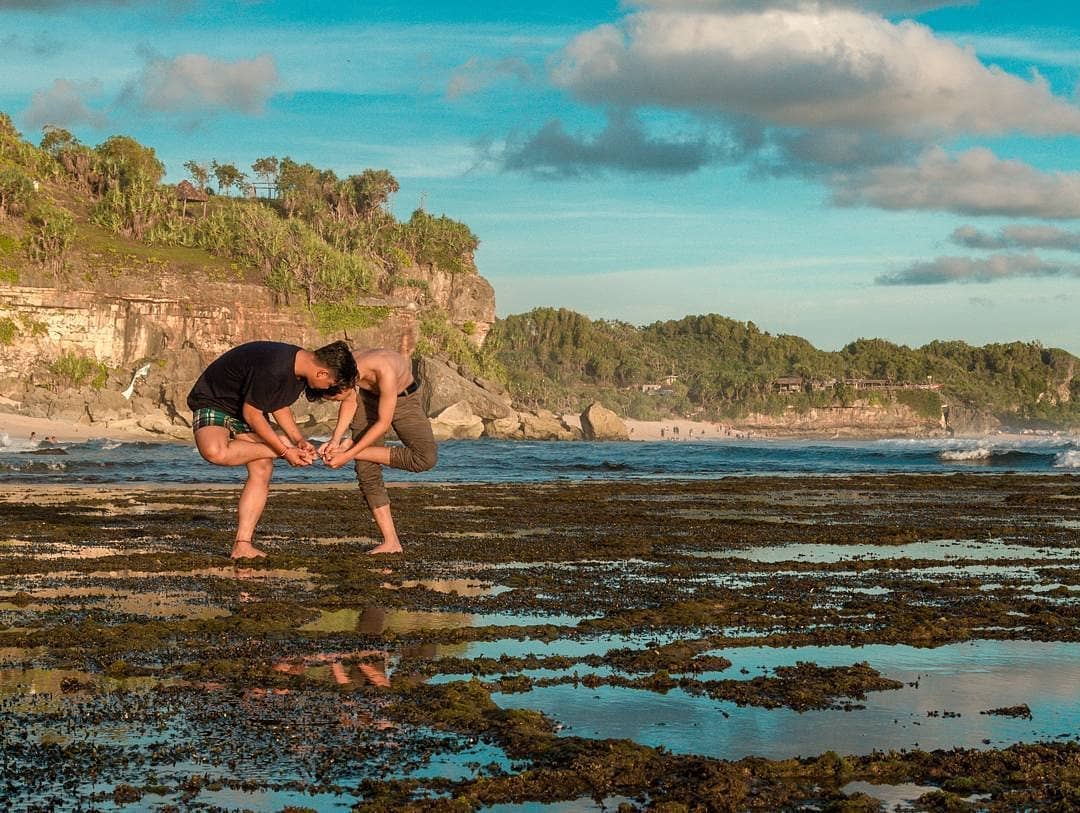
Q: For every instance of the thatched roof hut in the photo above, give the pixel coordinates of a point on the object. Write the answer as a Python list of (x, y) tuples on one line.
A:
[(186, 190)]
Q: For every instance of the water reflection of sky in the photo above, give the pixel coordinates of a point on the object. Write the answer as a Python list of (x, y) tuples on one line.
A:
[(962, 679), (379, 620), (938, 549)]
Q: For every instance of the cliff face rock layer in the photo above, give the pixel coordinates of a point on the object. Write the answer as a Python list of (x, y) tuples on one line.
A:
[(177, 327)]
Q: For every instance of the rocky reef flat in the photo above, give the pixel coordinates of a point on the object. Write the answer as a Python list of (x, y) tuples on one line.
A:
[(747, 643)]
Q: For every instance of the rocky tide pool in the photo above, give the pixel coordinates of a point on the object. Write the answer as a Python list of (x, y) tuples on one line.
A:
[(852, 642)]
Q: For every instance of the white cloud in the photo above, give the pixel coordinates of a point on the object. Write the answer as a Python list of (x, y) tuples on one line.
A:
[(813, 67), (966, 269), (63, 104), (975, 182), (196, 83), (1018, 236)]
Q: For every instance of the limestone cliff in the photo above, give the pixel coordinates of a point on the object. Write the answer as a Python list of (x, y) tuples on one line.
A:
[(178, 327)]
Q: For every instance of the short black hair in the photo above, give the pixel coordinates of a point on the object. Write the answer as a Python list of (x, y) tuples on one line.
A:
[(338, 359), (313, 394)]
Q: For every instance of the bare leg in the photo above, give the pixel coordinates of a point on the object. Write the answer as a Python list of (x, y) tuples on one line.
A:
[(375, 454), (215, 446), (252, 503), (385, 520)]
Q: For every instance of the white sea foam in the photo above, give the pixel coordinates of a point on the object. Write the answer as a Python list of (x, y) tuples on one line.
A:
[(1068, 460), (981, 453)]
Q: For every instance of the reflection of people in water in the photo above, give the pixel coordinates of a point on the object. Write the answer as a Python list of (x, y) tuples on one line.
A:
[(364, 671)]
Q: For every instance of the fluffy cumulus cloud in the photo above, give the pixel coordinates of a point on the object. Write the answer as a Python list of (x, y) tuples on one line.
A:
[(813, 66), (196, 83), (63, 104), (975, 182), (1018, 236), (819, 88), (990, 269)]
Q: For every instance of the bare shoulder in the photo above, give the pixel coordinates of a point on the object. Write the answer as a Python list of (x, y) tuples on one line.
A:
[(378, 362)]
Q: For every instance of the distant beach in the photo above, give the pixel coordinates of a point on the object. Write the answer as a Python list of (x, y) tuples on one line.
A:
[(19, 427)]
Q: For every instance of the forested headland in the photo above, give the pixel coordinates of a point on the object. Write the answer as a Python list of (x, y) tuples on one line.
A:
[(719, 368)]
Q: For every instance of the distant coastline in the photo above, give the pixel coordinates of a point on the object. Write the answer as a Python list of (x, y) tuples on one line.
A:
[(18, 428)]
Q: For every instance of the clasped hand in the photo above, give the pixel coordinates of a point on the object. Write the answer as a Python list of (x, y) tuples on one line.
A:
[(334, 455), (306, 456)]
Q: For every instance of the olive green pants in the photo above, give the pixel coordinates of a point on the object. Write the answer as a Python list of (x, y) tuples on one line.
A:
[(413, 429)]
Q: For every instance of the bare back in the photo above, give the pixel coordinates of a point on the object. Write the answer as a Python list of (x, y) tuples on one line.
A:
[(377, 367)]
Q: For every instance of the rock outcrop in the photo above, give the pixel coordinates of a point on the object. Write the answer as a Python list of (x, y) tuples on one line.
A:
[(442, 384), (545, 425), (457, 422), (600, 423)]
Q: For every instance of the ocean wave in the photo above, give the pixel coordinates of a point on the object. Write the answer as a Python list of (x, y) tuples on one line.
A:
[(605, 465), (32, 466), (1068, 460), (966, 454)]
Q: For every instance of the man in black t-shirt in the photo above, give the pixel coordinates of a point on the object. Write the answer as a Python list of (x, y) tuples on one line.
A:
[(231, 404)]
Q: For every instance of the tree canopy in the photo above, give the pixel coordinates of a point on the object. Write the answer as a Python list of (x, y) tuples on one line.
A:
[(717, 366)]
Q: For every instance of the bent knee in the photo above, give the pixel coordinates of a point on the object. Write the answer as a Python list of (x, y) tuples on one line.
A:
[(212, 444), (213, 453), (423, 459)]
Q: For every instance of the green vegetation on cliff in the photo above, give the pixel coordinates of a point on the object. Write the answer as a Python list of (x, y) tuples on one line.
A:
[(717, 367), (301, 231), (100, 217)]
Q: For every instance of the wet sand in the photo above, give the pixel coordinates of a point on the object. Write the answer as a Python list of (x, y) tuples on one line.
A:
[(746, 643)]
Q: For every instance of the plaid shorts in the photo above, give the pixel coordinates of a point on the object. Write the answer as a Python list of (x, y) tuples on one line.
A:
[(209, 416)]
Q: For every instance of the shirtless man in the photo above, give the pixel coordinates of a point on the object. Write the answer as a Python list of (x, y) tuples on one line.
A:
[(389, 395)]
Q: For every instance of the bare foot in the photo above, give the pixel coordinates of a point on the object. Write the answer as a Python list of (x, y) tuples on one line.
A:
[(386, 547), (243, 549), (374, 675)]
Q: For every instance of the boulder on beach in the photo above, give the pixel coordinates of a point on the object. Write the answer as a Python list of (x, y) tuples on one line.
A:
[(457, 422), (442, 386), (508, 428), (545, 425), (600, 423)]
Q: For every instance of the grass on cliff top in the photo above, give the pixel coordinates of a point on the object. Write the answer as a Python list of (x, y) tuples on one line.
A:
[(101, 260)]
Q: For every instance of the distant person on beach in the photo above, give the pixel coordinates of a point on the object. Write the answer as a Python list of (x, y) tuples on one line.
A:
[(388, 392), (232, 402)]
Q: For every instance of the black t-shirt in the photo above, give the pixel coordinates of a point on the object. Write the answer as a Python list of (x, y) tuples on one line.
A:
[(258, 373)]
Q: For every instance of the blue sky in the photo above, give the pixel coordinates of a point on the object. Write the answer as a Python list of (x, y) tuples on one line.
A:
[(906, 169)]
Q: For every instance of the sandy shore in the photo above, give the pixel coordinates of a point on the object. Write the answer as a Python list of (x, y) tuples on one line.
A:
[(682, 430), (19, 427), (672, 429)]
